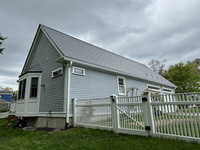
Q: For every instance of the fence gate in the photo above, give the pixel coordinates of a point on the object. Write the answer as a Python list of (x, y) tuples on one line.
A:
[(120, 114), (130, 112)]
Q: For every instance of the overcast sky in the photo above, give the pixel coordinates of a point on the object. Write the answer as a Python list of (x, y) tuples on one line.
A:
[(138, 29)]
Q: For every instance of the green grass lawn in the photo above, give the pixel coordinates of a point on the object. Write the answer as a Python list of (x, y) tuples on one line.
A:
[(82, 138)]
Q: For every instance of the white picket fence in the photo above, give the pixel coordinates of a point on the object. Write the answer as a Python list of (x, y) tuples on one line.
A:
[(93, 113), (174, 116)]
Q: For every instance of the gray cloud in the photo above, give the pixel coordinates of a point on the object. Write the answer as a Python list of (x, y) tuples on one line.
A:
[(140, 30)]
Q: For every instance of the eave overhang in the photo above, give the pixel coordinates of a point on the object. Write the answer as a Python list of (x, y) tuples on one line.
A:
[(65, 60)]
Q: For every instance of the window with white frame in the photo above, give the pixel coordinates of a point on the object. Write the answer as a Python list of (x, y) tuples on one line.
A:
[(78, 71), (57, 72), (34, 87), (22, 89), (167, 90), (153, 88), (121, 85)]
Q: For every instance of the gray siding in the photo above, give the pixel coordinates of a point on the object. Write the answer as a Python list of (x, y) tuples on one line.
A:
[(96, 84), (52, 95), (93, 85)]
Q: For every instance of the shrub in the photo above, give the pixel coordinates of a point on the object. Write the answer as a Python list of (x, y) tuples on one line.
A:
[(4, 110), (16, 123)]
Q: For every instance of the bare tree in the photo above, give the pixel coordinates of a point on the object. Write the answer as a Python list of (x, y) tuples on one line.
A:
[(157, 65), (5, 89)]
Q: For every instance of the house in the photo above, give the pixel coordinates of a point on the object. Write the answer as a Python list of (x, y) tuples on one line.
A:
[(59, 68), (6, 95)]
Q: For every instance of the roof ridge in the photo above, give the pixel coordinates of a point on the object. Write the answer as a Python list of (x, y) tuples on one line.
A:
[(94, 45)]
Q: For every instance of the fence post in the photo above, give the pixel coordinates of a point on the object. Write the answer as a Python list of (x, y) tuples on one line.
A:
[(148, 114), (114, 113), (74, 111)]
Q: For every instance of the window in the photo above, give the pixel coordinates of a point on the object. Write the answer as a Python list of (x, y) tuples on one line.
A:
[(78, 71), (34, 87), (153, 88), (57, 72), (121, 85), (22, 89), (166, 90)]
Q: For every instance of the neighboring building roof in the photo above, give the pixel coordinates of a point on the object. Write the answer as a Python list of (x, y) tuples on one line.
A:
[(82, 51), (6, 92)]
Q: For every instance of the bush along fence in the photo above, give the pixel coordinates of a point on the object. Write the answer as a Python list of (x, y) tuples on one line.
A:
[(172, 116)]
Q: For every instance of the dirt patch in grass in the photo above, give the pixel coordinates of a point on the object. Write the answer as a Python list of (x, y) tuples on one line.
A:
[(45, 129)]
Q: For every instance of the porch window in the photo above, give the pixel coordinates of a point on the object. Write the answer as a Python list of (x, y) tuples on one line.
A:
[(34, 87), (22, 89), (121, 85)]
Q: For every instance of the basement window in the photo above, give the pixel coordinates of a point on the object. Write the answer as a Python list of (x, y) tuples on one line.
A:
[(57, 72), (121, 85), (78, 71)]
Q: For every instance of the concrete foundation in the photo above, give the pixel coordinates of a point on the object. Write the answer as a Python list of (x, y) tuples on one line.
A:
[(70, 122), (46, 122)]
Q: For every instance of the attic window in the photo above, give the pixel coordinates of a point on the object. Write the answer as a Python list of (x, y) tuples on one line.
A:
[(57, 72), (153, 88), (78, 71)]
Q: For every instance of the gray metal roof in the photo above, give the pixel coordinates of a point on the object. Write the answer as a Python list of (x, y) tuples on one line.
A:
[(83, 51)]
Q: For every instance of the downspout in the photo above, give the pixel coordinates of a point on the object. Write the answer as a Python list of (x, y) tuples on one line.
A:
[(68, 91)]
